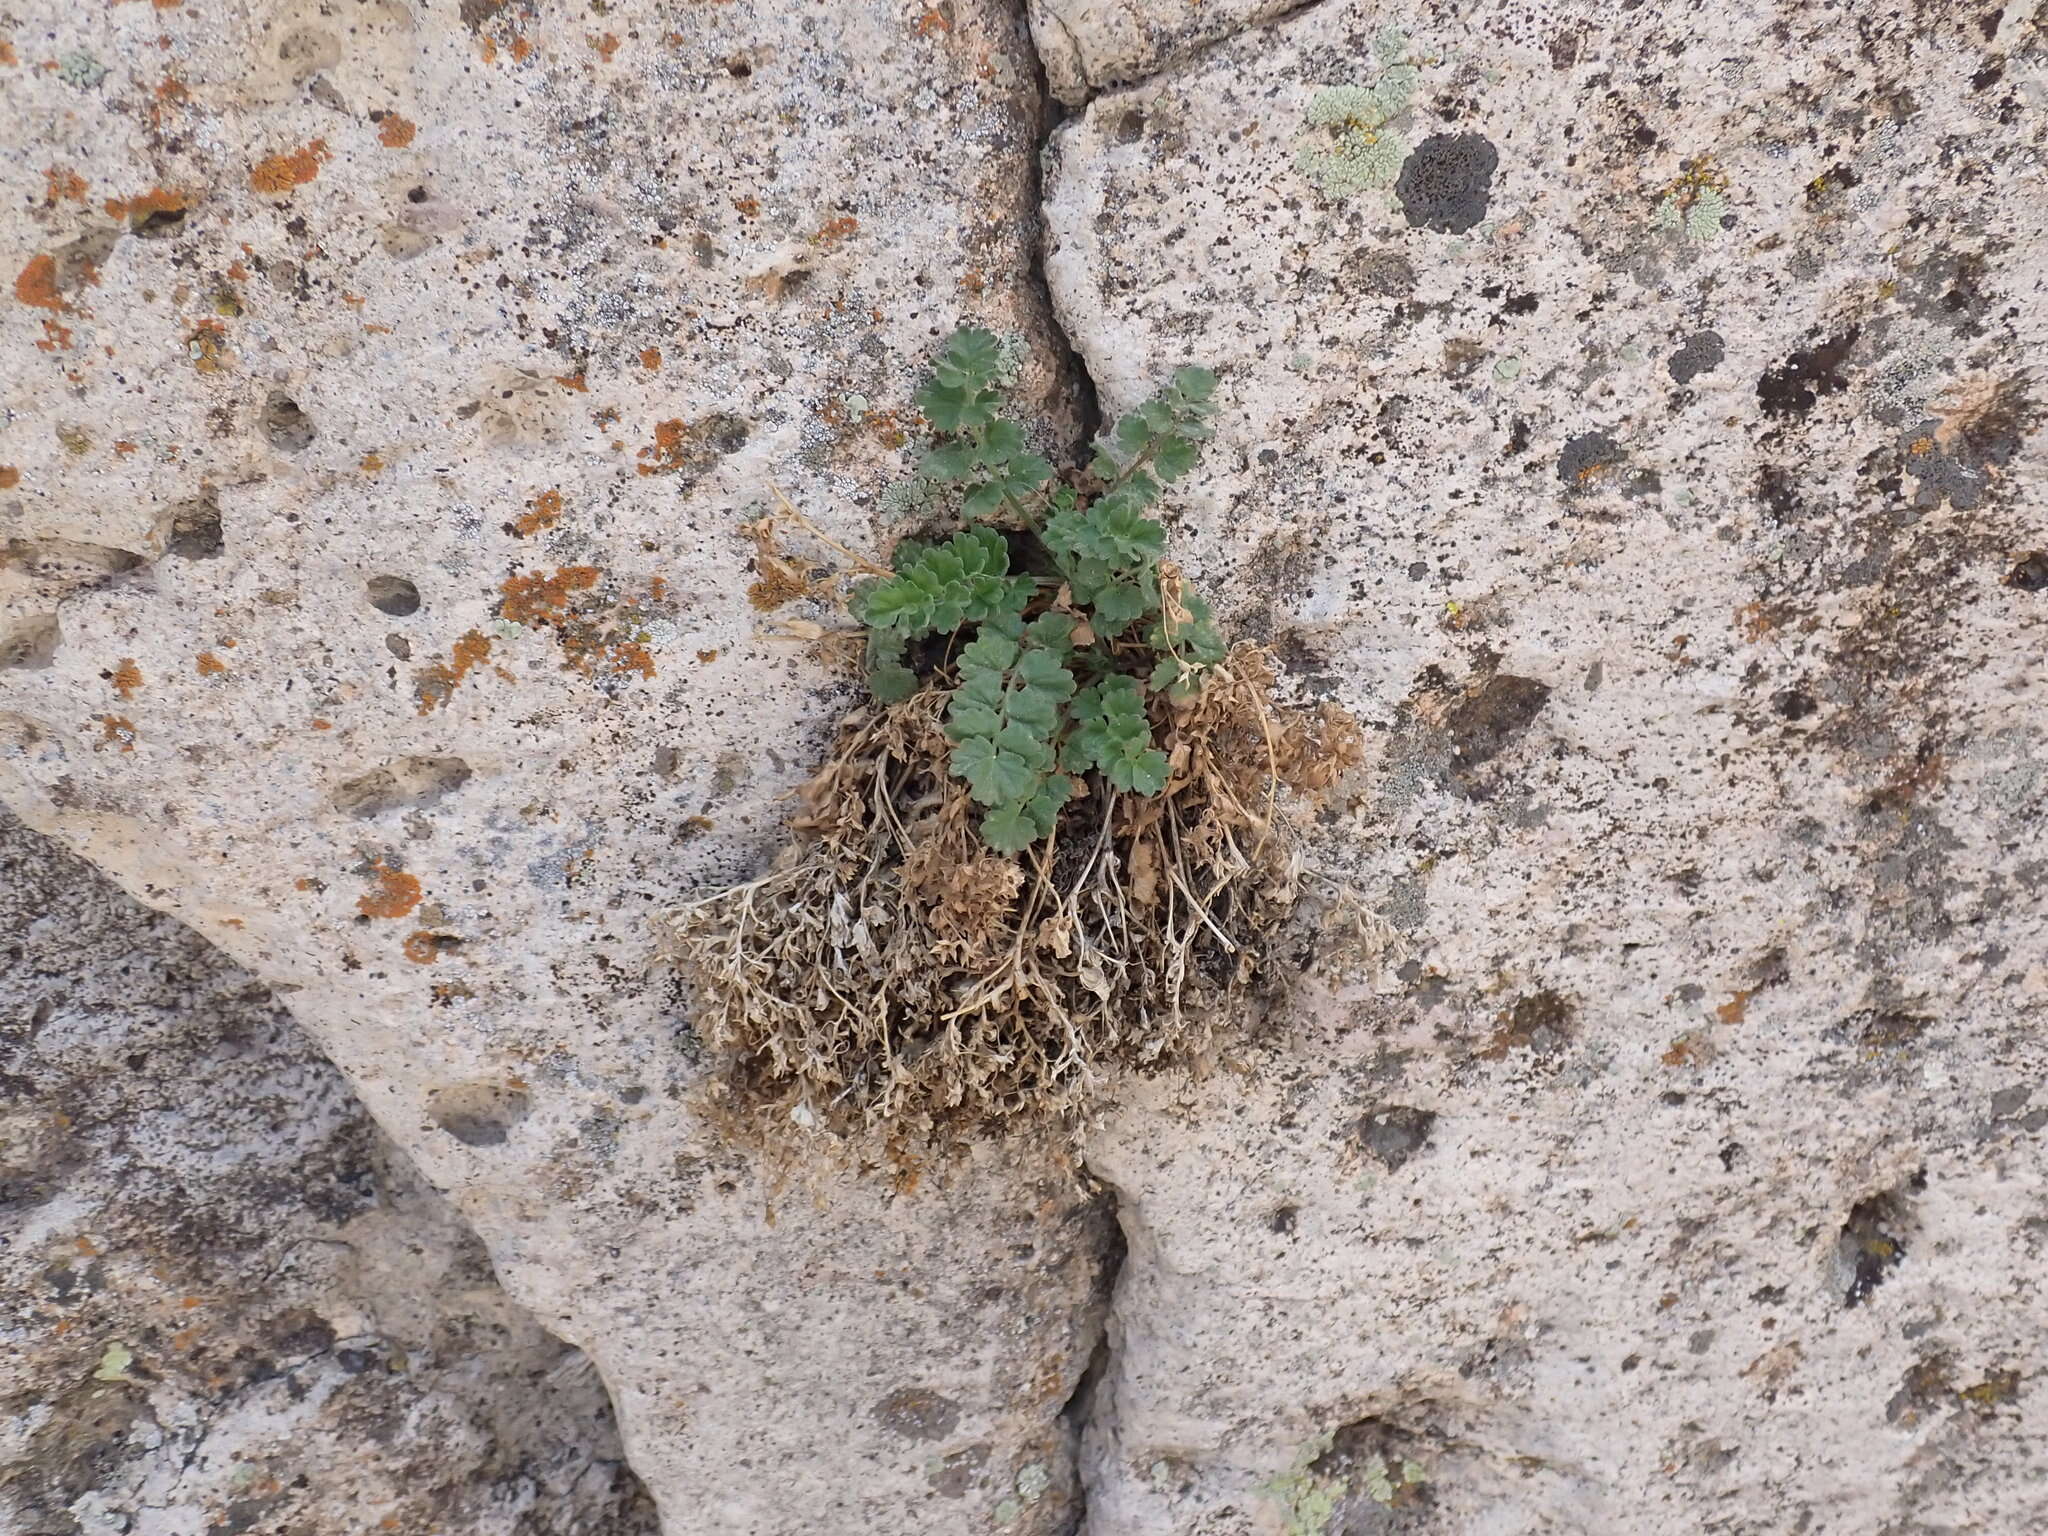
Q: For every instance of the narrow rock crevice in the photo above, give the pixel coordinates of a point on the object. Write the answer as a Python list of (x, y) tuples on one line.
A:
[(1091, 1405), (1067, 361)]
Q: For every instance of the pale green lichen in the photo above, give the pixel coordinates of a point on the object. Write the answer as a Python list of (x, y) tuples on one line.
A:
[(1359, 151), (1032, 1483), (114, 1363), (1508, 369), (1696, 204), (1384, 1484), (1309, 1502), (81, 69)]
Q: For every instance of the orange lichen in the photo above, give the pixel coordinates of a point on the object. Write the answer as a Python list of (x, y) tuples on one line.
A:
[(323, 725), (64, 186), (489, 49), (424, 947), (834, 230), (281, 173), (1689, 1051), (397, 893), (115, 731), (56, 338), (139, 207), (930, 23), (707, 657), (651, 359), (207, 346), (606, 46), (521, 48), (10, 477), (1732, 1011), (37, 284), (7, 55), (573, 381), (538, 599), (396, 132), (437, 683), (127, 677), (630, 656), (545, 511), (209, 665), (747, 206), (371, 463)]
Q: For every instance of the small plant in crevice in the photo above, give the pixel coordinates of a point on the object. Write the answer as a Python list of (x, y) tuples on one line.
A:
[(1050, 841)]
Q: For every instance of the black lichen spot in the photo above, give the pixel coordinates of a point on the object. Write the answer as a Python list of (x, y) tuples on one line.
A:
[(393, 595), (1700, 353), (1791, 388), (1835, 179), (1792, 704), (1583, 458), (918, 1413), (1777, 495), (1483, 724), (1446, 182), (1394, 1133), (2030, 572), (1539, 1022)]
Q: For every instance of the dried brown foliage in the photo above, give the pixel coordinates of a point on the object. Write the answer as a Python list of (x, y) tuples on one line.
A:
[(890, 968)]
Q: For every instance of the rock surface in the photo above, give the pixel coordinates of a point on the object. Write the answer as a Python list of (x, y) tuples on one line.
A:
[(1629, 417), (230, 1304), (1650, 451), (386, 393)]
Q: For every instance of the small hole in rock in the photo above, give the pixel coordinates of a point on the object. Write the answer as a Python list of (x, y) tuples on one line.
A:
[(285, 425), (1130, 127), (416, 195), (160, 223), (393, 595), (738, 68)]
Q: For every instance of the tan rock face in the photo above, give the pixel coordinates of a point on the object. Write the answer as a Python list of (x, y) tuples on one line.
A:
[(1652, 457), (231, 1303), (377, 603), (1630, 418)]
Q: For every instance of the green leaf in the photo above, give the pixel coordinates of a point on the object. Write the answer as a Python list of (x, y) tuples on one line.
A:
[(1164, 675), (967, 717), (992, 774), (892, 682), (1142, 773), (985, 500), (1053, 631), (1117, 606), (1174, 458), (1044, 807), (952, 461), (1010, 828), (1003, 440), (989, 652), (1195, 384), (971, 354), (1042, 670), (957, 407), (1028, 746)]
